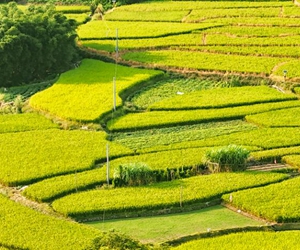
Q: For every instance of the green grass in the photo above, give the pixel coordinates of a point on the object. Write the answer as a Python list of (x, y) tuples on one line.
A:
[(246, 241), (86, 93), (164, 228)]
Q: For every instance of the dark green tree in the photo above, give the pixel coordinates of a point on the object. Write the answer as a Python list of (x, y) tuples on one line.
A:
[(34, 44)]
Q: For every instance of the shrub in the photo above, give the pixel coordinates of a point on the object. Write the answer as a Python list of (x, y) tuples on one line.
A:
[(227, 159), (133, 174)]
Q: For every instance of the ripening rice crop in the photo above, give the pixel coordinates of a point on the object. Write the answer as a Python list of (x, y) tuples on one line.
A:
[(34, 155), (246, 241), (159, 195), (86, 93)]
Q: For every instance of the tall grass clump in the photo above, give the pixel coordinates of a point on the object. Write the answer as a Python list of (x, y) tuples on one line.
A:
[(227, 159), (133, 174)]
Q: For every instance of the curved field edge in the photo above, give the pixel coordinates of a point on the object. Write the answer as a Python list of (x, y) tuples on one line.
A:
[(246, 241), (47, 153), (164, 195), (277, 202), (166, 165), (19, 226), (86, 93)]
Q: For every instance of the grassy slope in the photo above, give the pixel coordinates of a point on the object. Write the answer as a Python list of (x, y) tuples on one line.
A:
[(168, 227)]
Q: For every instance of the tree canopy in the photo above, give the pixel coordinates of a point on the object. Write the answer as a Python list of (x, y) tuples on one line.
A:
[(34, 43)]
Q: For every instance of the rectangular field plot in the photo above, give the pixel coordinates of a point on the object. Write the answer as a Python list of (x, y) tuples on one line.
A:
[(31, 156), (159, 195), (278, 202), (86, 93)]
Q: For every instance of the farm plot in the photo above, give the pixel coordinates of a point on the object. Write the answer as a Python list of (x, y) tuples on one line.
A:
[(221, 98), (24, 228), (206, 61), (145, 120), (86, 93), (34, 155), (24, 122), (144, 140), (159, 195), (276, 51), (280, 118), (168, 165), (276, 154), (153, 16), (162, 228), (264, 138), (246, 241), (278, 202), (107, 29)]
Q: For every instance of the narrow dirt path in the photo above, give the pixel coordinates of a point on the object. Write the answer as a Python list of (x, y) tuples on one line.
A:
[(15, 195)]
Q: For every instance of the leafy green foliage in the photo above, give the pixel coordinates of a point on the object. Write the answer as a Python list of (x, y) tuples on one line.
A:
[(159, 195), (42, 30), (133, 174), (246, 241), (277, 202), (228, 158), (47, 153), (86, 93)]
